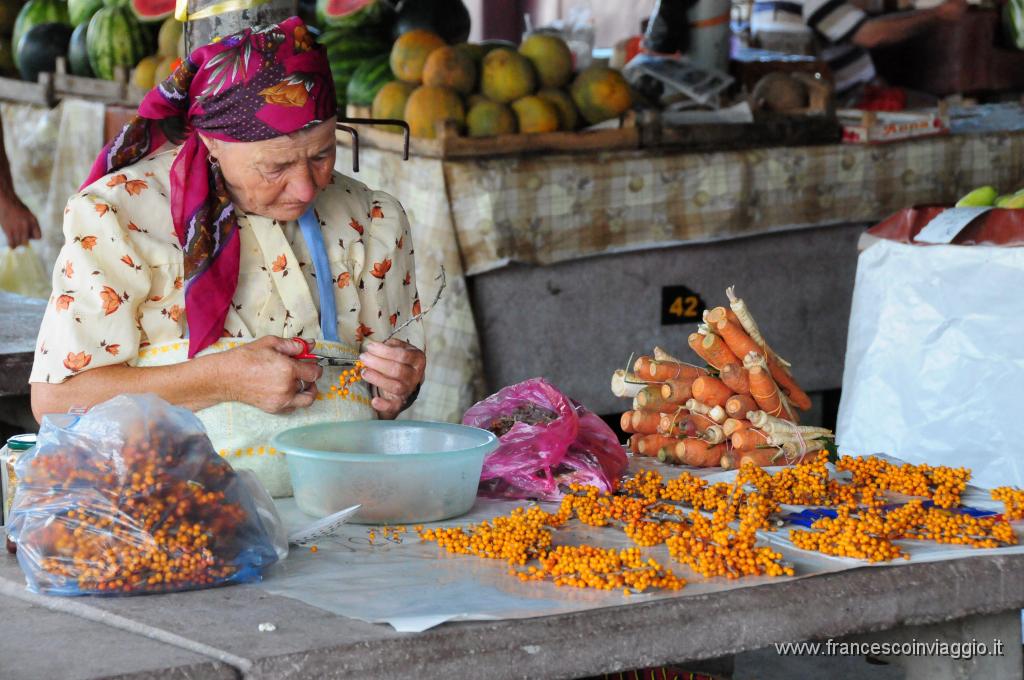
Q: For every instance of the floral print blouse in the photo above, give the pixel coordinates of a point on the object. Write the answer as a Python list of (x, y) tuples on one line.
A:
[(118, 286)]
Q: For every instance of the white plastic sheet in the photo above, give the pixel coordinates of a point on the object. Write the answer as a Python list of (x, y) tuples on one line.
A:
[(935, 358), (412, 585)]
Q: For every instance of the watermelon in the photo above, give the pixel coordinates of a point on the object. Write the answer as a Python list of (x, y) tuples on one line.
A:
[(346, 50), (80, 11), (37, 12), (39, 48), (447, 18), (115, 38), (78, 55), (353, 14), (149, 11), (368, 78)]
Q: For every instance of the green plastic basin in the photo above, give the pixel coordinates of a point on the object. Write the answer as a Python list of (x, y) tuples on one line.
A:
[(401, 472)]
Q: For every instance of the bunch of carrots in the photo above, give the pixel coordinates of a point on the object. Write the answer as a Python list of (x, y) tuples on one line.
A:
[(743, 405)]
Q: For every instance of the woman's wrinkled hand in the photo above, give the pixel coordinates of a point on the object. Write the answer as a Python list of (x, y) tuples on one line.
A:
[(396, 368), (264, 374)]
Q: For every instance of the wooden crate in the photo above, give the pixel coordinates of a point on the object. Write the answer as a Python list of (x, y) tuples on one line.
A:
[(52, 87), (450, 144)]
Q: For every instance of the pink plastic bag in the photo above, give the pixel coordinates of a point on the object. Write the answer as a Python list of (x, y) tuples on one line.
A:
[(560, 443)]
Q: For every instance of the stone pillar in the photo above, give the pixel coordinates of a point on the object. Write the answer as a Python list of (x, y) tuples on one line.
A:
[(201, 31)]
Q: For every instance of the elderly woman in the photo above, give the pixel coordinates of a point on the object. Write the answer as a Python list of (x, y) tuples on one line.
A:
[(188, 270)]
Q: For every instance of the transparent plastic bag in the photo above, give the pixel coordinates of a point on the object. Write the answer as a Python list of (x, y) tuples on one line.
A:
[(132, 498), (22, 272), (548, 441)]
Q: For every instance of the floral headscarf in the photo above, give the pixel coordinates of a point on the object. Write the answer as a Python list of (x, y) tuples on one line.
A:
[(254, 85)]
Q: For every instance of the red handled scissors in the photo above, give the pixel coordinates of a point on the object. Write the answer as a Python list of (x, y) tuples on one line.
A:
[(309, 355)]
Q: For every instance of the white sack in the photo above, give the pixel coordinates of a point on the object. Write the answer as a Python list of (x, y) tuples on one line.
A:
[(935, 359)]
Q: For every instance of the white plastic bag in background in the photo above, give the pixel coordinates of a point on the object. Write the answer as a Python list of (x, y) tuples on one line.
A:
[(22, 272), (935, 358)]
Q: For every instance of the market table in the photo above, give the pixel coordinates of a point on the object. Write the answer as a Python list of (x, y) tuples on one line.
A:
[(976, 598)]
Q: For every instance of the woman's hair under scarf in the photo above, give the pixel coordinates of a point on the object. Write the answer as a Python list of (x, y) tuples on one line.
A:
[(258, 84)]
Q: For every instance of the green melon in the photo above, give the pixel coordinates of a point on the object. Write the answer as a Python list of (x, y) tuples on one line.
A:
[(37, 12), (346, 51), (115, 38), (367, 80), (80, 11), (39, 49), (78, 53)]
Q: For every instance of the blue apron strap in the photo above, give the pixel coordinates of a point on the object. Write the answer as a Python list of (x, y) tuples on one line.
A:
[(324, 279)]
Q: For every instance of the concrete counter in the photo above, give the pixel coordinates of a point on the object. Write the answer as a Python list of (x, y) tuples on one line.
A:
[(973, 597)]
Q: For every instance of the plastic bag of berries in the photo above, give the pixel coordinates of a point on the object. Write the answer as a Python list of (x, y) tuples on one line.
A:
[(131, 498)]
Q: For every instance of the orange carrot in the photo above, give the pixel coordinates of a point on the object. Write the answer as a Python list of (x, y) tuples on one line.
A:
[(626, 422), (650, 399), (736, 338), (765, 392), (646, 422), (735, 425), (697, 453), (728, 460), (711, 391), (748, 440), (670, 420), (735, 376), (739, 405), (741, 344), (667, 455), (661, 371), (633, 443), (785, 380), (718, 313), (677, 391), (641, 367), (761, 457), (686, 425), (649, 444), (718, 351), (772, 457)]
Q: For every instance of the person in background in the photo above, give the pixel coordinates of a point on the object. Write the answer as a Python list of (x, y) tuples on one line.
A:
[(845, 33), (16, 220)]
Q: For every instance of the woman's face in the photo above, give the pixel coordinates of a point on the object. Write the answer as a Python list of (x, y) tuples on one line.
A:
[(278, 178)]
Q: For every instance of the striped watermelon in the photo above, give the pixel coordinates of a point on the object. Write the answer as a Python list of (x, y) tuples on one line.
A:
[(368, 78), (346, 50), (351, 13), (115, 38), (80, 11), (37, 12)]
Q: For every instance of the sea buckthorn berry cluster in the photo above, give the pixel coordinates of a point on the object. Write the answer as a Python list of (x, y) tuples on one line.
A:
[(943, 485), (585, 566), (863, 537), (696, 492), (347, 378), (594, 508), (516, 538), (712, 547), (870, 534), (1012, 500), (135, 521)]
